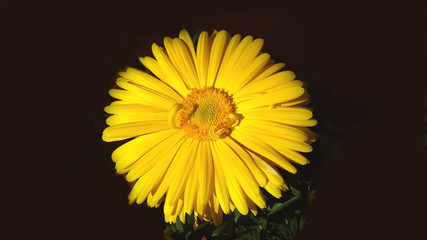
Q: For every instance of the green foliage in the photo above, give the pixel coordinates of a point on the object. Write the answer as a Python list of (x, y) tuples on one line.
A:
[(220, 229), (281, 219)]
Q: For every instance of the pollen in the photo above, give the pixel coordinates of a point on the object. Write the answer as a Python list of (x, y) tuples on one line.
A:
[(206, 114)]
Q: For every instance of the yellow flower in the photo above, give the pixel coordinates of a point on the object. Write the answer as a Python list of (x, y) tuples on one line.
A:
[(211, 128)]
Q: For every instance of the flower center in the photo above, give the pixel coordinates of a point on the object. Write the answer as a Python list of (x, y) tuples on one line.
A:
[(205, 114)]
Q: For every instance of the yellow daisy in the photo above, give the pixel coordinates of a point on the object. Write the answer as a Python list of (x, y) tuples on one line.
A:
[(211, 128)]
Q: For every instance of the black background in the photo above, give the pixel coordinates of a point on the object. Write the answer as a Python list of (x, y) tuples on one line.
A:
[(363, 69)]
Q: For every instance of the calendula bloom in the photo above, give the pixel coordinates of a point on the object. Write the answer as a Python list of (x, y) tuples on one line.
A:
[(209, 127)]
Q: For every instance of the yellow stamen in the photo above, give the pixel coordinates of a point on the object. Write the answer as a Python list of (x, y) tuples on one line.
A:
[(206, 114)]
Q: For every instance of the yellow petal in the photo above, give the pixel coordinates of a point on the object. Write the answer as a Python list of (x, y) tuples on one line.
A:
[(240, 170), (292, 155), (147, 181), (148, 97), (215, 210), (135, 117), (126, 108), (168, 210), (119, 102), (184, 163), (248, 160), (192, 185), (185, 36), (136, 189), (296, 113), (169, 70), (271, 98), (141, 95), (234, 188), (232, 45), (125, 148), (275, 129), (311, 135), (145, 79), (269, 70), (301, 123), (252, 70), (157, 70), (154, 66), (234, 57), (178, 210), (291, 84), (270, 171), (300, 101), (131, 151), (172, 212), (217, 52), (261, 148), (202, 55), (249, 53), (127, 96), (276, 141), (181, 59), (128, 130), (273, 190), (182, 215), (154, 152), (252, 206), (264, 84), (242, 174), (189, 65), (169, 174), (221, 186), (205, 177), (232, 207), (150, 201)]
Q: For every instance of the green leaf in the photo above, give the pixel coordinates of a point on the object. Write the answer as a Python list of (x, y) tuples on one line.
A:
[(189, 219), (187, 235), (201, 226), (242, 228), (263, 222), (219, 229), (199, 231), (307, 182), (277, 227), (179, 225), (279, 207), (257, 233), (294, 226), (251, 215), (171, 228), (276, 205), (246, 236), (296, 192), (236, 216), (254, 235)]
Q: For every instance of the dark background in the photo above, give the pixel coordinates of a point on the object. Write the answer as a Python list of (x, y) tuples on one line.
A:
[(362, 63)]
